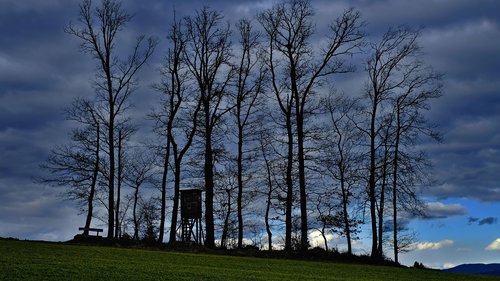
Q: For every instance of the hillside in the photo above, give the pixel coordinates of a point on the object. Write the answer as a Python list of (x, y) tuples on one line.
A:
[(477, 268), (25, 260)]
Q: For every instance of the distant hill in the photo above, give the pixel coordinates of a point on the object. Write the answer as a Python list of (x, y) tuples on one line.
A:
[(477, 268)]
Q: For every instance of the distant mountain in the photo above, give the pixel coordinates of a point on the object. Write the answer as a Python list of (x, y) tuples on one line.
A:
[(477, 268)]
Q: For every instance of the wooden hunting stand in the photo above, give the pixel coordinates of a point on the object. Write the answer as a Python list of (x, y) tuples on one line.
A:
[(191, 215)]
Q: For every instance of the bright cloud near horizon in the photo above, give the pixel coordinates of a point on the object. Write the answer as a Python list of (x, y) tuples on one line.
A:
[(42, 71), (494, 246), (422, 246)]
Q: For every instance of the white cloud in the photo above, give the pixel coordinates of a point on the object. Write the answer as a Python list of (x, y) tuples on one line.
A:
[(448, 265), (317, 240), (438, 210), (494, 246), (422, 246)]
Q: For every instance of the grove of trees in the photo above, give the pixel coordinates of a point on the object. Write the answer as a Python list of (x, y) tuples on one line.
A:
[(249, 111)]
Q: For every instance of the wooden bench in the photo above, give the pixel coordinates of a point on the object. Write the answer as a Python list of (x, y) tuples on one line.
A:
[(91, 229)]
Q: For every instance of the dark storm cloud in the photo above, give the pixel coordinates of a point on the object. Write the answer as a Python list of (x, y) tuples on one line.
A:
[(472, 220), (468, 114), (30, 211), (38, 68), (485, 221), (467, 163), (437, 210), (428, 13), (403, 225), (465, 49), (39, 76), (488, 220)]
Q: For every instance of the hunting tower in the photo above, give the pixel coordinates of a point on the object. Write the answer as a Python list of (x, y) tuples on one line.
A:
[(191, 215)]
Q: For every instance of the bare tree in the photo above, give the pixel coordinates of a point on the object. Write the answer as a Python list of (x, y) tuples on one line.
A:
[(148, 213), (125, 131), (125, 205), (265, 150), (270, 22), (327, 215), (227, 183), (97, 30), (289, 29), (387, 55), (422, 84), (383, 166), (139, 169), (250, 79), (178, 119), (187, 123), (396, 74), (119, 184), (77, 164), (342, 156), (208, 57), (163, 199)]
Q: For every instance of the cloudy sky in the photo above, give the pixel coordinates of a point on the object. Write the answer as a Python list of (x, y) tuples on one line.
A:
[(42, 71)]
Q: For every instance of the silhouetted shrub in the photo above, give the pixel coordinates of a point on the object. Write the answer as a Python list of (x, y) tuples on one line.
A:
[(418, 265)]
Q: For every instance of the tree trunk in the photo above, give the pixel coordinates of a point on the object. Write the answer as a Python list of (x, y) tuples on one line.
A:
[(304, 244), (324, 237), (119, 187), (372, 183), (175, 208), (381, 215), (289, 184), (136, 222), (299, 118), (345, 202), (209, 186), (269, 197), (111, 137), (93, 183), (225, 229), (395, 185), (382, 198), (347, 230), (164, 192), (111, 180), (266, 220), (240, 184)]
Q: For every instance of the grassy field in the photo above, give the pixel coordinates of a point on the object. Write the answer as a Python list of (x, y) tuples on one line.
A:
[(23, 260)]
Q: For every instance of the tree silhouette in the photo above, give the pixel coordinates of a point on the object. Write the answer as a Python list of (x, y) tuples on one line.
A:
[(249, 88), (398, 80), (97, 30), (289, 28), (77, 164), (208, 59)]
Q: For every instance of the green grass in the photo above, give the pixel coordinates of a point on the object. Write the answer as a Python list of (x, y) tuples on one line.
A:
[(24, 260)]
